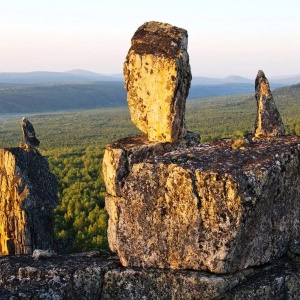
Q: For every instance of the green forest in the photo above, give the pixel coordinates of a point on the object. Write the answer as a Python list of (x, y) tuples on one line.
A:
[(74, 143)]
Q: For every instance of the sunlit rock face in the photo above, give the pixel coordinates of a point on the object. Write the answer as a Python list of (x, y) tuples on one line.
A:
[(120, 156), (27, 197), (205, 207), (157, 78), (268, 121)]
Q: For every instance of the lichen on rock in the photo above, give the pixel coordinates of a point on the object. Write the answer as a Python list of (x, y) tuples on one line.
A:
[(157, 78)]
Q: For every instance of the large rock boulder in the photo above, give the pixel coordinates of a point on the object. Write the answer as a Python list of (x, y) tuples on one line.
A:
[(207, 207), (268, 121), (27, 198), (157, 78)]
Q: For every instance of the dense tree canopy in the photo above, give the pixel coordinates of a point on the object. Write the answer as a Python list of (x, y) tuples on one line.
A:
[(74, 143)]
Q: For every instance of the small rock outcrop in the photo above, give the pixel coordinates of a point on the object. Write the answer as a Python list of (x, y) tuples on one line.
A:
[(157, 79), (268, 121), (29, 134), (76, 276), (28, 196)]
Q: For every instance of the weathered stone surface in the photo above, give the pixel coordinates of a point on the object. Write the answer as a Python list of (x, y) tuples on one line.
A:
[(159, 284), (121, 155), (97, 275), (77, 276), (208, 207), (268, 121), (28, 194), (277, 281), (157, 77)]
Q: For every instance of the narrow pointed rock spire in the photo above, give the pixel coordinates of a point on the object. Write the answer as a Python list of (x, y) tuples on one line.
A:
[(268, 121)]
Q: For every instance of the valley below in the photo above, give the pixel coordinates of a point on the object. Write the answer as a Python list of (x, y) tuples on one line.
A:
[(74, 141)]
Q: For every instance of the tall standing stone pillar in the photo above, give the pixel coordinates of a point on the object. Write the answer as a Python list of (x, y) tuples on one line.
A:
[(157, 78)]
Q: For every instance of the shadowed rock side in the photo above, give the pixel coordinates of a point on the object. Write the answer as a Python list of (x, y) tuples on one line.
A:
[(157, 79), (27, 198), (268, 121), (206, 207)]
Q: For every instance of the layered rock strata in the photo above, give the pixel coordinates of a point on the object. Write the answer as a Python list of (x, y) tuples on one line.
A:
[(206, 207), (157, 79), (27, 198), (268, 121)]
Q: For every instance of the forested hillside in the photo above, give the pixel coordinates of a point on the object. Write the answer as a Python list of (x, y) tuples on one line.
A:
[(74, 142)]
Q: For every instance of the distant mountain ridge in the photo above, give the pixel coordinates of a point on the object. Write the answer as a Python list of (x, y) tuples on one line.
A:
[(54, 77), (278, 81), (80, 75), (81, 72)]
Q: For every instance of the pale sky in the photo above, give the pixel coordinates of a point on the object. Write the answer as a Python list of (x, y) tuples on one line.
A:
[(232, 37)]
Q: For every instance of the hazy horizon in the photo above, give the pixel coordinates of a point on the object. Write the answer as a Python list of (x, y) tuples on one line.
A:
[(118, 75), (226, 38)]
